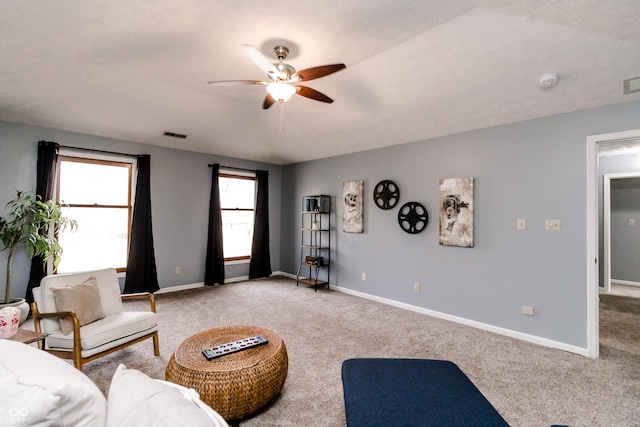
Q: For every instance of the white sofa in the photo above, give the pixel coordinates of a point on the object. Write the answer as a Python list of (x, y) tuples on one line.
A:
[(114, 329), (38, 389)]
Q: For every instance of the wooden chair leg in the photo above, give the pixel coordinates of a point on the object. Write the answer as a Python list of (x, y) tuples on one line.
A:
[(156, 345), (77, 361)]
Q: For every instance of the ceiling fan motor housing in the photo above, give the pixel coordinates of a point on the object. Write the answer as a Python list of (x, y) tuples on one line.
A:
[(281, 52)]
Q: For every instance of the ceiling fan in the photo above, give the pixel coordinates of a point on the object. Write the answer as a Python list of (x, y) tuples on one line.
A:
[(283, 78)]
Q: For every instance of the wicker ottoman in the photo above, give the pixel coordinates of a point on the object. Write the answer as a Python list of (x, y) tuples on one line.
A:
[(237, 384)]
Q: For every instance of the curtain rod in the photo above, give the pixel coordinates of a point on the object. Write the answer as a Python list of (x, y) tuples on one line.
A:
[(98, 151), (233, 167)]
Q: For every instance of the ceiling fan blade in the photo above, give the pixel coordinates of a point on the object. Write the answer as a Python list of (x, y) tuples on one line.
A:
[(307, 92), (260, 60), (236, 82), (321, 71), (268, 102)]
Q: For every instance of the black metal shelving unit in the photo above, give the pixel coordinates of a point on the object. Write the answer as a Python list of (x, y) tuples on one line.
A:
[(315, 248)]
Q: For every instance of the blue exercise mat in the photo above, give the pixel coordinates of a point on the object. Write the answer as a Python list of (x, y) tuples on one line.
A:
[(413, 392)]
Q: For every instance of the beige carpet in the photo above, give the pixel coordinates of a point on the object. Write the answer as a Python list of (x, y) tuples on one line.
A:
[(528, 384)]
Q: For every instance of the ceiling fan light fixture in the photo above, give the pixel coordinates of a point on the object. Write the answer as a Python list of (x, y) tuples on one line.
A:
[(281, 91)]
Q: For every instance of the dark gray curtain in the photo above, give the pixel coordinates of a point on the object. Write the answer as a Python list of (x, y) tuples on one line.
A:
[(46, 171), (142, 275), (260, 265), (214, 262)]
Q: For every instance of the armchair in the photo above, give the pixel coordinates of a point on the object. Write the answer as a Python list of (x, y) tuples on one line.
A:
[(114, 330)]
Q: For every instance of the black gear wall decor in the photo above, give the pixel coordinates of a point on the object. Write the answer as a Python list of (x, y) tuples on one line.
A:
[(413, 217), (386, 194)]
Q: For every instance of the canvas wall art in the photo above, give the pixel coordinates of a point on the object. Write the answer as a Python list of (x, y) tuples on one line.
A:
[(352, 192), (456, 212)]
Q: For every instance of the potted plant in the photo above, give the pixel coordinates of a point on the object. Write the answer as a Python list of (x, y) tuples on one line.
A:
[(34, 224)]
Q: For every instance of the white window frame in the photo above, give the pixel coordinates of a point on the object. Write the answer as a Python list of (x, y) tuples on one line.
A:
[(233, 173), (108, 157)]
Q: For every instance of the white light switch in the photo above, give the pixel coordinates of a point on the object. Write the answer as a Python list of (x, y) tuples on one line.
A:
[(553, 225), (527, 310), (632, 222), (522, 224)]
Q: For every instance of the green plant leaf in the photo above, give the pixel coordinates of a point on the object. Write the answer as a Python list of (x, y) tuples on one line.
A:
[(30, 222)]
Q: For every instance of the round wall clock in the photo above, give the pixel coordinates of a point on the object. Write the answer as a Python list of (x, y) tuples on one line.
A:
[(413, 217), (386, 194)]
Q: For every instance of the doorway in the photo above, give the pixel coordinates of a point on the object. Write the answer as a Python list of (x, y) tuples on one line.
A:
[(606, 187), (594, 144)]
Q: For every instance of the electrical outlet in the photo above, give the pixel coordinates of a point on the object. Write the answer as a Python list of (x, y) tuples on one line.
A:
[(364, 276), (416, 287), (553, 225), (527, 310), (177, 270)]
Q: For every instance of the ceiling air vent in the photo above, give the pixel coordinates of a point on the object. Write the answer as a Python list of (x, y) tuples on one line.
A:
[(632, 85), (175, 135)]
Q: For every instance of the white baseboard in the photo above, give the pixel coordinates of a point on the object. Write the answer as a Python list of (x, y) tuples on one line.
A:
[(624, 282), (495, 329), (178, 288)]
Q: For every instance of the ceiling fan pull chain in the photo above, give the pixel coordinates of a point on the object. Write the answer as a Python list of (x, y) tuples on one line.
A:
[(281, 118)]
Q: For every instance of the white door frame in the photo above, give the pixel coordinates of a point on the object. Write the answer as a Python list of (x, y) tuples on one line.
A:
[(593, 321), (606, 187)]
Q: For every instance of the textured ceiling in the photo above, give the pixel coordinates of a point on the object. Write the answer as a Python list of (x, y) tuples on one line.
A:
[(416, 69)]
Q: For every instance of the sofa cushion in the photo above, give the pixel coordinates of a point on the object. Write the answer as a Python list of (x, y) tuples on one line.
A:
[(137, 400), (39, 389), (105, 330), (83, 299)]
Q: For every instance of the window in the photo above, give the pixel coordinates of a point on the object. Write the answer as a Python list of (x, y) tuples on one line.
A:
[(98, 193), (237, 205)]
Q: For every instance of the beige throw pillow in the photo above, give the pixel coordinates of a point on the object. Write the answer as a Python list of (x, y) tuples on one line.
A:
[(82, 299)]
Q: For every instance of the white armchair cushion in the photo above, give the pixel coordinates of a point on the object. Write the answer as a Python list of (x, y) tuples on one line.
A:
[(83, 299), (137, 400), (106, 331), (38, 389)]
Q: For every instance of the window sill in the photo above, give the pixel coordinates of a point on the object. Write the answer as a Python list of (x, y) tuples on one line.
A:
[(237, 261)]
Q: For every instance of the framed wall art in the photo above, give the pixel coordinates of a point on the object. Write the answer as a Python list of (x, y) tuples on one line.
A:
[(352, 192), (456, 212)]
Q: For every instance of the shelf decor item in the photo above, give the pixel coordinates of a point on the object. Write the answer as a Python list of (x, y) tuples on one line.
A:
[(456, 212), (352, 206), (320, 204), (316, 261)]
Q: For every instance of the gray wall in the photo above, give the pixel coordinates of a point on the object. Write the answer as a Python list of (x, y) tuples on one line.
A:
[(180, 187), (625, 238), (534, 170), (607, 165)]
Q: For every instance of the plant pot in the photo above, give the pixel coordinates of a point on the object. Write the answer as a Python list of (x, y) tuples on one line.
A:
[(20, 304)]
